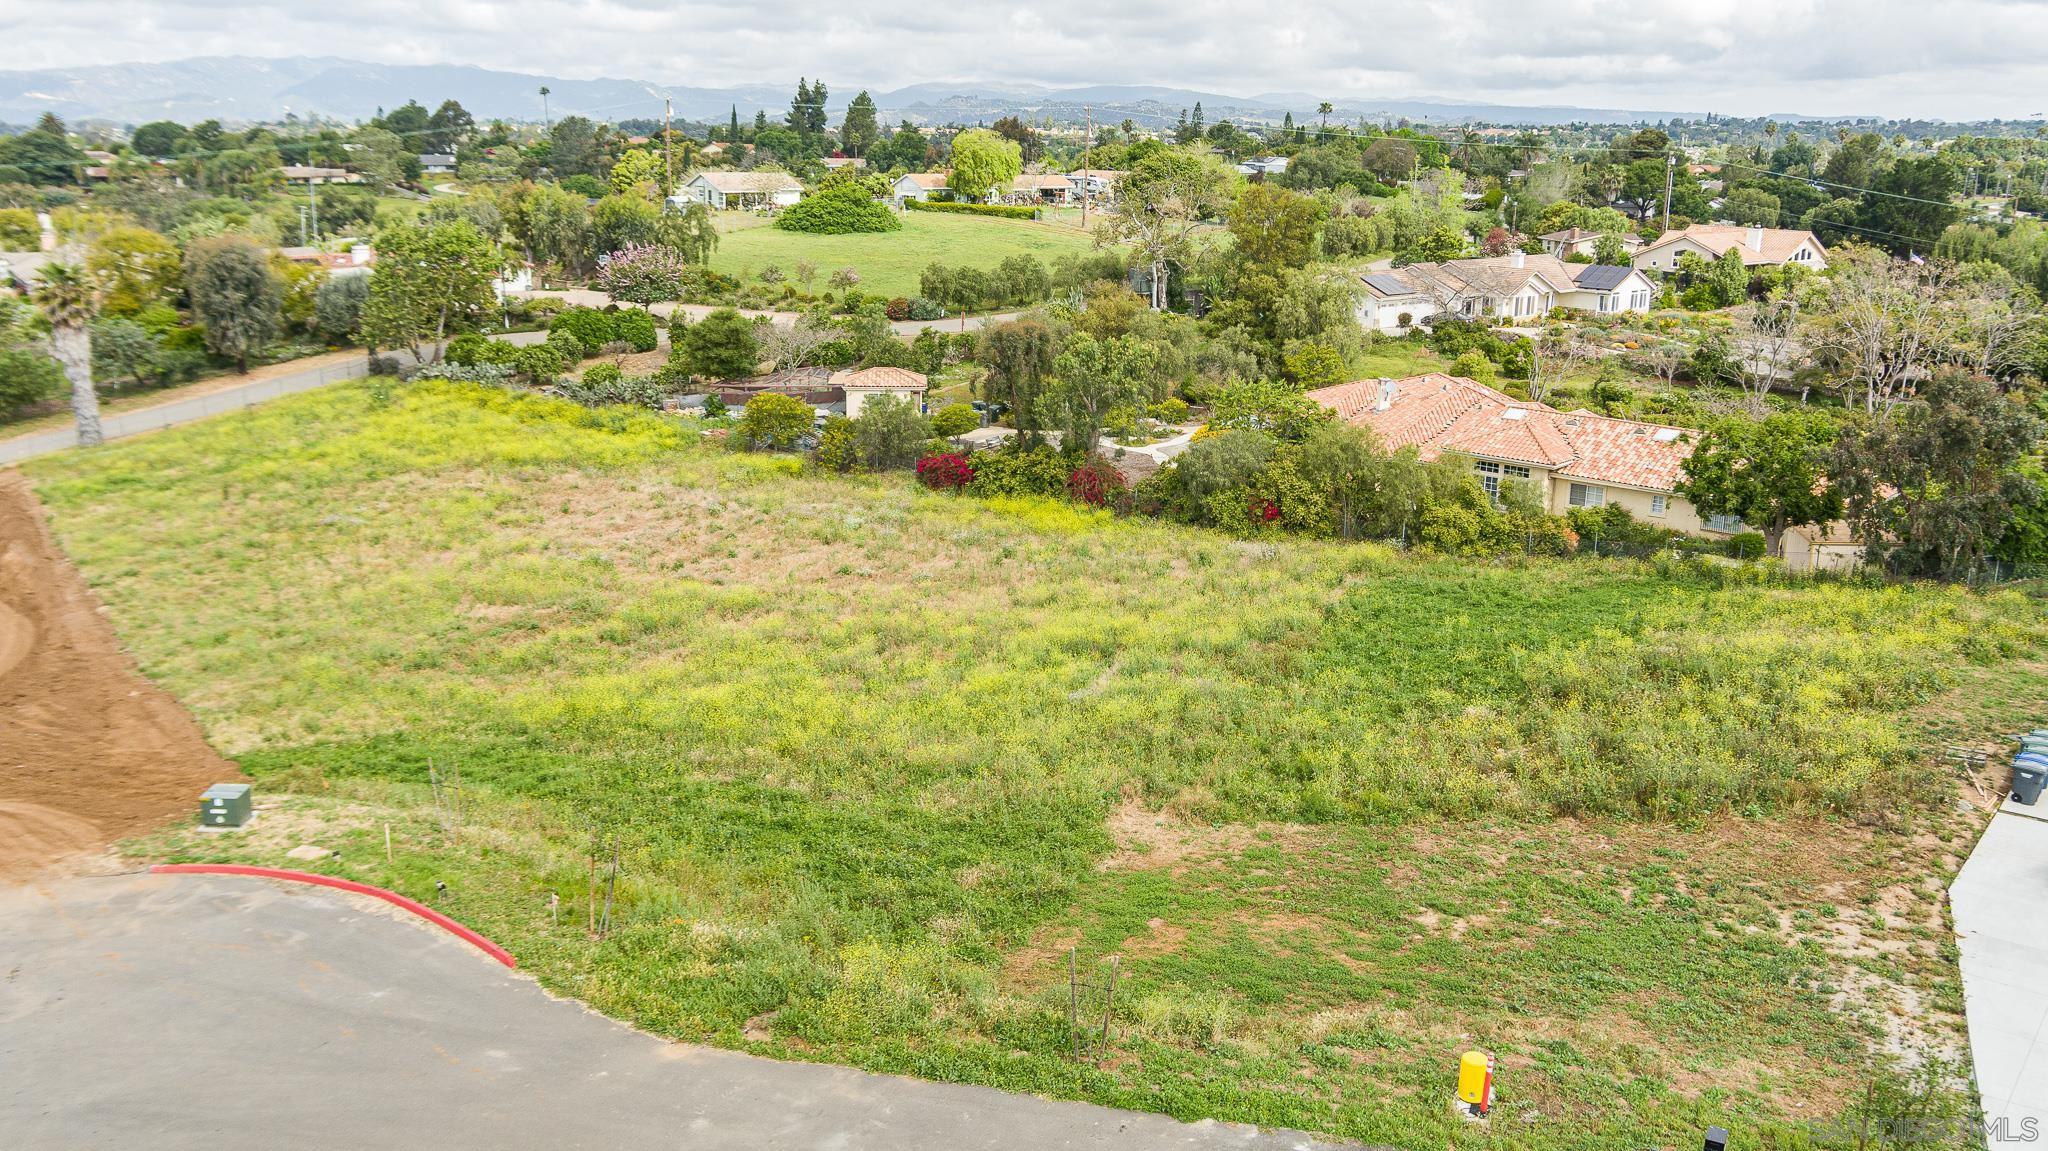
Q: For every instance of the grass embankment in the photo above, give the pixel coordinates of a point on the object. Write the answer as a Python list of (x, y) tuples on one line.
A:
[(889, 262), (875, 758)]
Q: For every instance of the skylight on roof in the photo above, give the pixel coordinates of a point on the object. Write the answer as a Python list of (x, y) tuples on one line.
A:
[(1666, 435), (1513, 414)]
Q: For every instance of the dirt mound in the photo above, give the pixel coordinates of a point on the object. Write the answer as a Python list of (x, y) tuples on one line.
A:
[(89, 750)]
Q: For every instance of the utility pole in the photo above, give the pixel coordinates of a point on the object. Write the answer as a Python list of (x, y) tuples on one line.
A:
[(313, 198), (1087, 173), (668, 148), (1670, 170)]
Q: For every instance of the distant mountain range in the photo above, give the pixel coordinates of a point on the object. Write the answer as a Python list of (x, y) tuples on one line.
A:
[(241, 88)]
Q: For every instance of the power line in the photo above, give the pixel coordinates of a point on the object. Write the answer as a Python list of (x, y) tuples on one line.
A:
[(1831, 184)]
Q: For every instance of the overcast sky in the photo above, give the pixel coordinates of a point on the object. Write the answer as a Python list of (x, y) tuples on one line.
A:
[(1961, 59)]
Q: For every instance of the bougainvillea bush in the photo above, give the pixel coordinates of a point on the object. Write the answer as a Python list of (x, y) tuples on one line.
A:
[(949, 472), (1098, 484)]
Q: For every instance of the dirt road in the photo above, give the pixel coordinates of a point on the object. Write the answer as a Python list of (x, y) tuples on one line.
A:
[(90, 751)]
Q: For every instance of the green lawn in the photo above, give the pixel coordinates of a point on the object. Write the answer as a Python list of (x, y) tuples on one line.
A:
[(1668, 844), (889, 262)]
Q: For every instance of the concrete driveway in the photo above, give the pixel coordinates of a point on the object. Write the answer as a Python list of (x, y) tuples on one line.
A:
[(2002, 945), (223, 1012)]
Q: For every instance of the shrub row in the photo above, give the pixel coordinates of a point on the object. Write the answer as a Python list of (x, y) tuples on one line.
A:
[(594, 328), (1005, 211)]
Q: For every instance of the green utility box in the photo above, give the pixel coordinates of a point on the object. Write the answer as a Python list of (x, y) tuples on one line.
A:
[(225, 805)]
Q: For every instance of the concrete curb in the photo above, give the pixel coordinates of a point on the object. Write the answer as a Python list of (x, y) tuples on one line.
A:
[(396, 900)]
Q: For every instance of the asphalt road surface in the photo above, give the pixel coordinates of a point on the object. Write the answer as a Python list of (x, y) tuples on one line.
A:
[(224, 1013)]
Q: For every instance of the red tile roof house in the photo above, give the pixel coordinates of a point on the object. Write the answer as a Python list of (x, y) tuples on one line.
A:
[(825, 387), (1576, 459)]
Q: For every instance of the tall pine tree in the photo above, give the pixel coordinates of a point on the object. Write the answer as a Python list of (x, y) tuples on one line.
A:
[(799, 118), (860, 129), (816, 122)]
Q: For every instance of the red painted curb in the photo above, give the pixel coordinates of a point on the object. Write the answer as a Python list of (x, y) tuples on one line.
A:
[(396, 900)]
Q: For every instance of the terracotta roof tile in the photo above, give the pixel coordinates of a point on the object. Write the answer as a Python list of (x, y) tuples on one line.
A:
[(1437, 413), (891, 379)]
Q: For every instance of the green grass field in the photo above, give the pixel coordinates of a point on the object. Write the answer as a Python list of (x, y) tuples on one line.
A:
[(889, 262), (1668, 843)]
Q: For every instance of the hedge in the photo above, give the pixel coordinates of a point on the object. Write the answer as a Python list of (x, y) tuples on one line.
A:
[(1006, 211), (592, 328), (636, 327)]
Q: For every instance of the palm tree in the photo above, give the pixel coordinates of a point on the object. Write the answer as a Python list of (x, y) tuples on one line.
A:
[(69, 298), (1323, 111)]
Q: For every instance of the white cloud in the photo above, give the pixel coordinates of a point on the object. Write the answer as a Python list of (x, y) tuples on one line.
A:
[(1950, 58)]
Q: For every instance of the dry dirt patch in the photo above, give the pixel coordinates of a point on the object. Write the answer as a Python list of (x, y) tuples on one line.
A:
[(1155, 841), (90, 751)]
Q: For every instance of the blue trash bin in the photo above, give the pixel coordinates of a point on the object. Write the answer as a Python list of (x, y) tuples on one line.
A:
[(2029, 773)]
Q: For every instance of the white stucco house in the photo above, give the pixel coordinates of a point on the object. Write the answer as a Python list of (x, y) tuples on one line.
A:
[(723, 190), (1262, 166), (1041, 187), (918, 186), (866, 384), (312, 174), (1575, 459), (1580, 242), (1760, 247), (513, 280), (1095, 183), (1516, 287)]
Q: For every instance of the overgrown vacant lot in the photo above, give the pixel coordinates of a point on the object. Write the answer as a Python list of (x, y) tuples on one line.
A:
[(875, 759)]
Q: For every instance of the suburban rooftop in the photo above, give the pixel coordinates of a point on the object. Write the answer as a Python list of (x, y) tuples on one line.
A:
[(1438, 413)]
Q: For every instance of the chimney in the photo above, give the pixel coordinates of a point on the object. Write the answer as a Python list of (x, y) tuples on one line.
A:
[(1756, 239), (1519, 259), (1388, 390)]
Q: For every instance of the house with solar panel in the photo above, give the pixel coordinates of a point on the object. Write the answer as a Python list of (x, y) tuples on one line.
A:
[(1517, 287)]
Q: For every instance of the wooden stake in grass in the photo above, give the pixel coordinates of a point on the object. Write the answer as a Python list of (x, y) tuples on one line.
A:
[(387, 843), (1109, 998), (1073, 1005), (611, 882)]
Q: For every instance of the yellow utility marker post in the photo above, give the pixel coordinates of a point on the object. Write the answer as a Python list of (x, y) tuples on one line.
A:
[(1475, 1085)]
